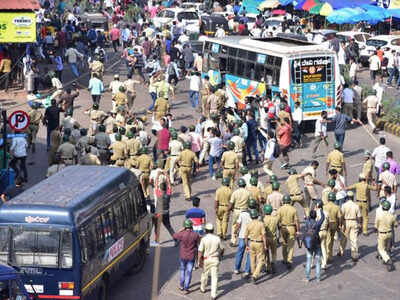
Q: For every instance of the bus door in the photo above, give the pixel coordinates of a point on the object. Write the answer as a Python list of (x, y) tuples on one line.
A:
[(312, 84)]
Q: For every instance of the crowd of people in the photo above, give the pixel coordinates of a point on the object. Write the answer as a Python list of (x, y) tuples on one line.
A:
[(234, 144)]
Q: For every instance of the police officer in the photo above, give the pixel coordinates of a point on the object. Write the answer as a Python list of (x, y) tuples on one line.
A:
[(255, 234), (89, 159), (290, 227), (323, 232), (335, 218), (230, 163), (295, 191), (133, 146), (210, 251), (119, 151), (175, 149), (35, 116), (238, 203), (97, 67), (102, 142), (268, 189), (83, 141), (161, 106), (271, 226), (368, 166), (245, 175), (222, 197), (362, 195), (120, 99), (96, 118), (386, 178), (145, 165), (67, 151), (239, 145), (275, 199), (325, 192), (384, 223), (185, 162), (335, 160), (351, 218), (255, 192)]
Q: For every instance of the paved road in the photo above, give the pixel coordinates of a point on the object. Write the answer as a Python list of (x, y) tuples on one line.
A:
[(366, 280)]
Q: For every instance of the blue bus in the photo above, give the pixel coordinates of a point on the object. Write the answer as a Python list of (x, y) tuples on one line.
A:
[(75, 233)]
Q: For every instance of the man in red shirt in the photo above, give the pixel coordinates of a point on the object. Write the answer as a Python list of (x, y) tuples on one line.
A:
[(115, 34), (284, 135), (163, 137), (189, 240)]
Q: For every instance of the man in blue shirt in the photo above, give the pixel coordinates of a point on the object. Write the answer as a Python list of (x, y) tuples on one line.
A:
[(96, 88), (197, 215)]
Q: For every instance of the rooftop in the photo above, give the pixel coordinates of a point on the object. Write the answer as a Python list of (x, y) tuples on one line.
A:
[(19, 5)]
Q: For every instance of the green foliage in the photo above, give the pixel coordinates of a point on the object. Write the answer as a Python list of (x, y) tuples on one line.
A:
[(391, 110)]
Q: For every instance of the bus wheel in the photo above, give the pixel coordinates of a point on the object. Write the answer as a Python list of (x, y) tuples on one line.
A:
[(103, 291), (140, 258)]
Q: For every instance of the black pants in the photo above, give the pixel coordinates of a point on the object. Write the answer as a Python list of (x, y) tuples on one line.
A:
[(115, 45), (22, 167), (6, 81), (165, 220), (139, 71), (59, 74), (173, 77), (96, 99)]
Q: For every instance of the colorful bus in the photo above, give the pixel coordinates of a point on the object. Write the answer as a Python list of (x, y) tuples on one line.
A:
[(77, 232), (300, 70)]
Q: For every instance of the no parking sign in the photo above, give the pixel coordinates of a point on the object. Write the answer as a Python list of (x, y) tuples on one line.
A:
[(19, 120)]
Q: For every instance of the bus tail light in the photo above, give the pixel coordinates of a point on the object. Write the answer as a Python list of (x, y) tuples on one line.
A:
[(66, 285)]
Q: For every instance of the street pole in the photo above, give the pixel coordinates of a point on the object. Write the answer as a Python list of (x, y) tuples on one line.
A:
[(4, 114)]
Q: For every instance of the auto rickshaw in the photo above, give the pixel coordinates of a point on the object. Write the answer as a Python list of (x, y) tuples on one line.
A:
[(98, 21), (11, 287), (208, 24)]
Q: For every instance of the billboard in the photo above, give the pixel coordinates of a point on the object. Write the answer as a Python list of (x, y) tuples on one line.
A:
[(17, 27)]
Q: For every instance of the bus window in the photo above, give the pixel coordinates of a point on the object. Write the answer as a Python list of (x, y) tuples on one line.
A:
[(270, 60), (276, 76), (35, 248), (224, 50), (66, 250), (259, 72), (268, 75), (231, 65), (240, 67), (242, 54), (99, 233), (278, 62), (108, 222), (252, 56), (213, 61), (140, 201), (250, 70), (121, 217), (223, 64), (205, 62), (4, 244)]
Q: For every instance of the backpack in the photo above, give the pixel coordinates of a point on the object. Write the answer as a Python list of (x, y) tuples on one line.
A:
[(311, 235), (171, 70), (277, 150), (92, 36)]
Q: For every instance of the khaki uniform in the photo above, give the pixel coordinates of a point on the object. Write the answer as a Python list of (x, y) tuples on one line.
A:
[(324, 194), (119, 153), (102, 142), (388, 179), (121, 101), (222, 197), (296, 195), (271, 226), (67, 153), (145, 164), (211, 247), (133, 145), (96, 117), (323, 233), (161, 107), (239, 146), (239, 199), (35, 116), (275, 199), (384, 224), (367, 169), (55, 142), (255, 193), (130, 91), (372, 103), (255, 232), (90, 159), (287, 217), (309, 190), (336, 160), (205, 92), (362, 195), (268, 191), (230, 162), (333, 211), (213, 104), (350, 213), (186, 160), (98, 68), (175, 149)]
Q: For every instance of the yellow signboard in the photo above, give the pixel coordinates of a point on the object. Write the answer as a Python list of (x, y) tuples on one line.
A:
[(17, 27), (394, 4)]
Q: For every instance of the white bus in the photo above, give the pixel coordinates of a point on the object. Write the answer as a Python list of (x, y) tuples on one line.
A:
[(301, 70)]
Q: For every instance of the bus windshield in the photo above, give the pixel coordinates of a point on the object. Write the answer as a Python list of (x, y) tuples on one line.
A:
[(33, 247)]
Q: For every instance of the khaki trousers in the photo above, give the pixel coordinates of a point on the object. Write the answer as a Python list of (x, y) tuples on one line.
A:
[(272, 246), (210, 267), (222, 220), (383, 245), (288, 237), (256, 250), (330, 239), (351, 233), (186, 181), (235, 217), (204, 151), (172, 169), (230, 173), (371, 116), (364, 211), (268, 167), (322, 237), (300, 199)]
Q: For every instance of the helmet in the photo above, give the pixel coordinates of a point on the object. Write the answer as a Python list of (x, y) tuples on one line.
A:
[(144, 150), (231, 145), (253, 213), (102, 128), (292, 171), (236, 131), (332, 196), (286, 199), (187, 145), (122, 89), (118, 137), (253, 181), (244, 170), (367, 153), (218, 174), (241, 182), (226, 181), (171, 130), (209, 227), (187, 223), (174, 135), (52, 74), (350, 195), (252, 203), (273, 178), (267, 209), (336, 145), (275, 186), (95, 106), (331, 182), (386, 166), (386, 205), (122, 130), (129, 134), (83, 131)]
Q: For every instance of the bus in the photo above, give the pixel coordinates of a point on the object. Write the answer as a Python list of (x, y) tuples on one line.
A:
[(77, 232), (300, 70)]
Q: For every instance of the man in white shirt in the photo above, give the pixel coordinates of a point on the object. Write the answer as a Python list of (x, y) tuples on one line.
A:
[(348, 99), (220, 33), (391, 66), (379, 155), (357, 99), (342, 58), (372, 105), (72, 56), (321, 133), (297, 116), (194, 88), (18, 149), (374, 66), (269, 151)]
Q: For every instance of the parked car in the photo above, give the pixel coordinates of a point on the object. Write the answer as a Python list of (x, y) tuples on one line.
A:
[(188, 17), (386, 42), (197, 6), (208, 24)]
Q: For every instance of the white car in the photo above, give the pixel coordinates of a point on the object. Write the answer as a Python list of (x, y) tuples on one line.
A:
[(189, 18), (386, 42), (199, 7)]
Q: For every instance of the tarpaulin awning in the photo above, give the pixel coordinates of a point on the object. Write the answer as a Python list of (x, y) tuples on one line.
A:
[(278, 12), (269, 4), (346, 16), (326, 10), (285, 2), (309, 4), (338, 4)]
